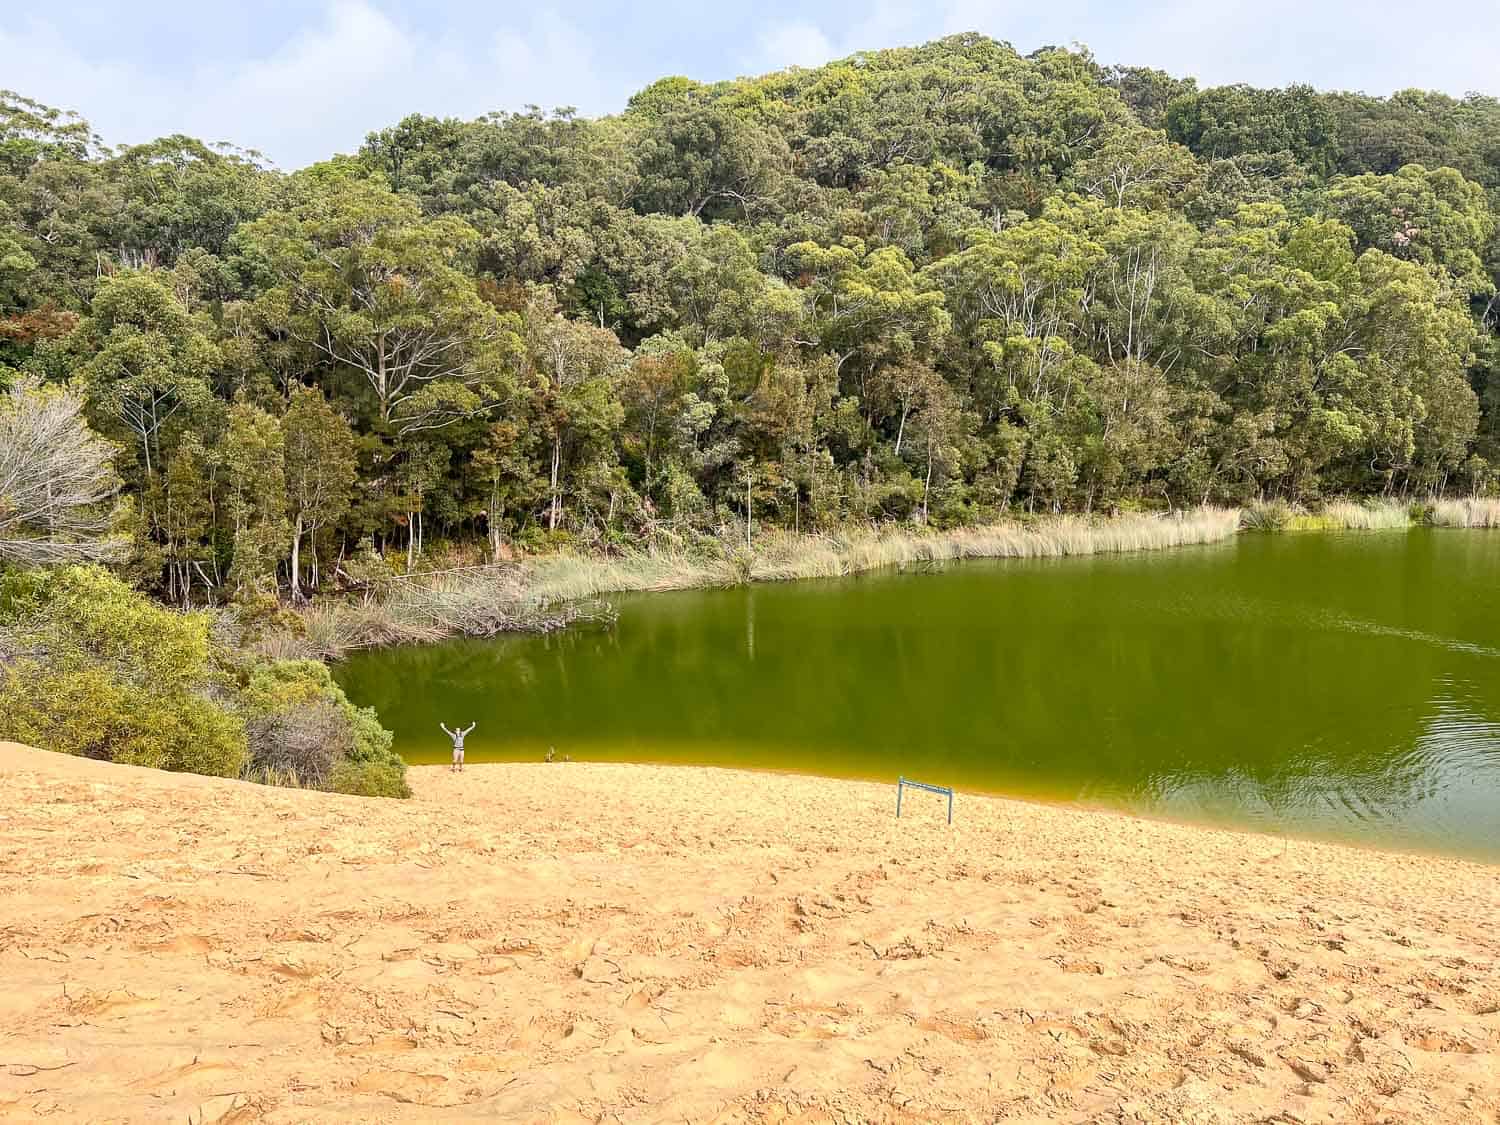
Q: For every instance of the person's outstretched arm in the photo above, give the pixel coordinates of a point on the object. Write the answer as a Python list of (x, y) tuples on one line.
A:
[(446, 731), (470, 727)]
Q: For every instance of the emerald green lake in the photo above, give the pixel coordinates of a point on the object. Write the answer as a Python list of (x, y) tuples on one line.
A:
[(1336, 685)]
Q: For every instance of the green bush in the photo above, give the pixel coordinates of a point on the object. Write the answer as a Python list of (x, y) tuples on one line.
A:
[(96, 669), (369, 779), (91, 712), (106, 673), (301, 720)]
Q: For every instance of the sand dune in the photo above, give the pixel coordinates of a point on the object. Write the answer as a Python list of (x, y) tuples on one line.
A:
[(629, 943)]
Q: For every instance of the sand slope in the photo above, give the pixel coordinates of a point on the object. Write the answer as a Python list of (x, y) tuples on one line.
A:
[(626, 943)]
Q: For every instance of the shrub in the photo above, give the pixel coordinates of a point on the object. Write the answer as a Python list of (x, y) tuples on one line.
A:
[(91, 712), (300, 721), (84, 616), (306, 742), (369, 779), (1267, 515), (96, 669), (106, 673)]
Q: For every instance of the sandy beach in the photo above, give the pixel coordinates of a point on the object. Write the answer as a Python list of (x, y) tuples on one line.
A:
[(602, 943)]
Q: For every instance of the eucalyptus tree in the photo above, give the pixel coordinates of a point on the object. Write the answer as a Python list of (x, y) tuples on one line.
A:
[(575, 368), (1435, 217), (254, 496), (359, 275), (319, 471), (146, 363)]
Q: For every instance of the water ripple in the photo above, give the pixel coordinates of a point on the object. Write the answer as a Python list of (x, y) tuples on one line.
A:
[(1374, 628)]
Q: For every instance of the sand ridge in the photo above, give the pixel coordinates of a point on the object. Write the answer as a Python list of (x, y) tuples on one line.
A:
[(600, 943)]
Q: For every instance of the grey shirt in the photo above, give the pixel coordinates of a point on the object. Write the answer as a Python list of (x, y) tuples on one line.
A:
[(458, 735)]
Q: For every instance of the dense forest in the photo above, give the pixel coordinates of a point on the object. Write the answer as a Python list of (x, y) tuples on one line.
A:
[(934, 284)]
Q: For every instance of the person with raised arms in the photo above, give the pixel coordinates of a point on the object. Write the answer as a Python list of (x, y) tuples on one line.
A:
[(458, 737)]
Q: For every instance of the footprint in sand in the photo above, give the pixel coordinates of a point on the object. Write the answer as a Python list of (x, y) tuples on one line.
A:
[(1055, 1027), (182, 943), (295, 967), (114, 1003), (1435, 1039), (960, 1031), (185, 1073), (403, 1086), (642, 998), (482, 1064), (298, 934), (295, 1005), (813, 1021), (542, 1029)]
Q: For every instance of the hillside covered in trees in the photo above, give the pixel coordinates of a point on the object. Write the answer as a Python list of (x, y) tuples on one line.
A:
[(932, 284)]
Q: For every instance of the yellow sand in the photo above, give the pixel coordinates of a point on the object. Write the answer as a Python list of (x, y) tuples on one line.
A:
[(630, 943)]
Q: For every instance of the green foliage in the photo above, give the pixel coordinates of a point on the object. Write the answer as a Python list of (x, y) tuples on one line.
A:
[(1230, 120), (254, 467), (107, 673), (1437, 218), (102, 671), (369, 779), (284, 685), (301, 722)]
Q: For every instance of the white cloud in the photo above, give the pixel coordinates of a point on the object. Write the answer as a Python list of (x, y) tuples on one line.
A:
[(321, 90), (796, 43), (549, 63)]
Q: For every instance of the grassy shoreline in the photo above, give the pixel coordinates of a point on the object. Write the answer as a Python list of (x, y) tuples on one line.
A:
[(551, 592), (554, 591)]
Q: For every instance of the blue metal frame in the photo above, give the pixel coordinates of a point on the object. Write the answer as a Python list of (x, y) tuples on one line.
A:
[(902, 783)]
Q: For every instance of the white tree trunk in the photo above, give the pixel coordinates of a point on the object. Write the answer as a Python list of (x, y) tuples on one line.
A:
[(297, 558), (556, 513)]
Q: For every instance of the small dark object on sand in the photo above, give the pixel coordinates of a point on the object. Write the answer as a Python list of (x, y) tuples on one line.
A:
[(551, 753)]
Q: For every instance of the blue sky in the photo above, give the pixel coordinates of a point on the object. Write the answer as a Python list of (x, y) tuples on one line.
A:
[(302, 79)]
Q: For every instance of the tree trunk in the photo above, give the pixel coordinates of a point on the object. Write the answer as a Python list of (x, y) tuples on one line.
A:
[(297, 558), (556, 512), (382, 388), (927, 485)]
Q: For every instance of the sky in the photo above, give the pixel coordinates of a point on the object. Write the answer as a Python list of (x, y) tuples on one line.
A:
[(300, 80)]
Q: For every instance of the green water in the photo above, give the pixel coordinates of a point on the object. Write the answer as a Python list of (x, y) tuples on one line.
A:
[(1332, 685)]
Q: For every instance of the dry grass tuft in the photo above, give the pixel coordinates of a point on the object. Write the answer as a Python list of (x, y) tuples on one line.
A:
[(1465, 513)]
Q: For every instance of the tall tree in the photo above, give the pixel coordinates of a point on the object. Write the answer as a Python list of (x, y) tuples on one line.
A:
[(254, 472), (363, 278), (319, 471), (576, 367), (144, 360)]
